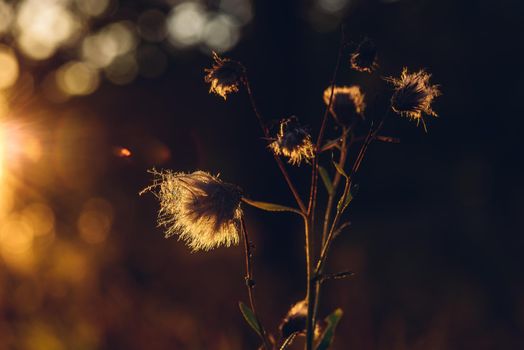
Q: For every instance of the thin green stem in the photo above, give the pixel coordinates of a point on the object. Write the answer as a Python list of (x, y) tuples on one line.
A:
[(250, 284), (372, 134), (329, 206), (335, 183), (311, 290), (320, 138), (310, 287)]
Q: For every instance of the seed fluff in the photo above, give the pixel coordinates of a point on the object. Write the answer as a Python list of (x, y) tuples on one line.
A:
[(293, 141), (413, 95), (348, 103), (364, 59), (225, 76), (202, 210), (295, 321)]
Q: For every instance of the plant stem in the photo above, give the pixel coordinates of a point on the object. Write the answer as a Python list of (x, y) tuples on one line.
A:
[(310, 221), (336, 182), (329, 206), (265, 131), (310, 287), (250, 284), (372, 134), (318, 146)]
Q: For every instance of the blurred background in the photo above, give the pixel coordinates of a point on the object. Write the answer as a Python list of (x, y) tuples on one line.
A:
[(93, 93)]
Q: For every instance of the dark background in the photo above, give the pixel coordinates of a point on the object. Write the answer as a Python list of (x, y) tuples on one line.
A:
[(437, 225)]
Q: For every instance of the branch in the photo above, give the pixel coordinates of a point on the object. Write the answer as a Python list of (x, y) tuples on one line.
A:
[(250, 283), (265, 131)]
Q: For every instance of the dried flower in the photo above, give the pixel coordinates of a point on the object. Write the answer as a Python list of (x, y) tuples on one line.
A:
[(293, 141), (225, 76), (364, 59), (200, 208), (348, 103), (295, 321), (413, 95)]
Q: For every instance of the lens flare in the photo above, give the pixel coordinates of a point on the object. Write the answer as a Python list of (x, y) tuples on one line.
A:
[(2, 151), (10, 70), (19, 147), (122, 152)]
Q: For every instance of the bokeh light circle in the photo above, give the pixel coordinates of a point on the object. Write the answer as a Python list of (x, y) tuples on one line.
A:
[(77, 78), (9, 69)]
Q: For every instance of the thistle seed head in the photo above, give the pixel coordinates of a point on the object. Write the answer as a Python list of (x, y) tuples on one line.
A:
[(347, 105), (295, 320), (364, 58), (413, 95), (293, 141), (225, 76), (200, 208)]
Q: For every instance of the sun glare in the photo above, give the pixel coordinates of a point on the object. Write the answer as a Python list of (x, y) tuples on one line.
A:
[(10, 70), (2, 151), (122, 152)]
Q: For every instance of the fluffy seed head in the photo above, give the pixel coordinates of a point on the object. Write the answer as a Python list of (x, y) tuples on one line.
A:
[(200, 208), (295, 321), (413, 95), (225, 76), (364, 58), (293, 141), (348, 103)]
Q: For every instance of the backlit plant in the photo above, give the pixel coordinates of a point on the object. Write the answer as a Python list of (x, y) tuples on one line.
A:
[(205, 212)]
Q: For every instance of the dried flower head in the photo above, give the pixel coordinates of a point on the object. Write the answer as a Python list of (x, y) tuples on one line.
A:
[(225, 76), (364, 58), (200, 208), (295, 321), (293, 141), (348, 103), (413, 95)]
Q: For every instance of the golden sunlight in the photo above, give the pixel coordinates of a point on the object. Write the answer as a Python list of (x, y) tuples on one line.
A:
[(9, 63), (95, 221), (44, 25), (77, 78), (17, 147), (2, 161), (16, 242)]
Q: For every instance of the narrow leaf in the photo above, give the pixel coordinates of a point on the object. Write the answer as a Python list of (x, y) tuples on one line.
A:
[(342, 205), (345, 198), (341, 228), (329, 333), (289, 340), (337, 276), (250, 318), (270, 206), (340, 170), (325, 179), (330, 144)]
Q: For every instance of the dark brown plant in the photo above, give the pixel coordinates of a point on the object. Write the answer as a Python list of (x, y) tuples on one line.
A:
[(225, 76), (293, 141), (348, 103), (364, 58), (413, 95)]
